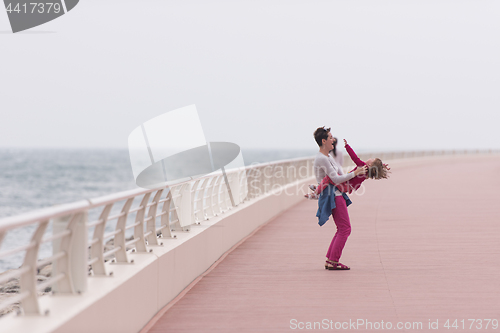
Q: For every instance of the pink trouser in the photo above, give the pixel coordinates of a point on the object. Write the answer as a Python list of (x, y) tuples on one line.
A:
[(341, 218)]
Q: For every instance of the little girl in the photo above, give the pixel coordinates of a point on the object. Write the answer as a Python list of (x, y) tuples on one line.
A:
[(376, 170)]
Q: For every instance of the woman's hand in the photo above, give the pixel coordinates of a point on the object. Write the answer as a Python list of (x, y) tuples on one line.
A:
[(361, 171), (345, 142)]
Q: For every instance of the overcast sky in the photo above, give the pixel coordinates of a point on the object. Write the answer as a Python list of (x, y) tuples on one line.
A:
[(385, 75)]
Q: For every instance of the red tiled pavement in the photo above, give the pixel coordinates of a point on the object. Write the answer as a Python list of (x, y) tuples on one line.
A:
[(425, 245)]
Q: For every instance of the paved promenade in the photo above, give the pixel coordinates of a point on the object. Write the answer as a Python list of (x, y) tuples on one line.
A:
[(425, 247)]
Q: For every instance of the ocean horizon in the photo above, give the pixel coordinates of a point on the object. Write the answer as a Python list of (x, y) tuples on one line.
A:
[(32, 179)]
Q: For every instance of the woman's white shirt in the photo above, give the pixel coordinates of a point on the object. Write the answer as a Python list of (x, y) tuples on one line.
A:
[(326, 165), (339, 158)]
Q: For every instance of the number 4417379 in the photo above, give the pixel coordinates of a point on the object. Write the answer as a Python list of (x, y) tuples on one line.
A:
[(34, 7), (476, 324)]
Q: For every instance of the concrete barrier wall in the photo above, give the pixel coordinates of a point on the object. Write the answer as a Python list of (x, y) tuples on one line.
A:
[(126, 301)]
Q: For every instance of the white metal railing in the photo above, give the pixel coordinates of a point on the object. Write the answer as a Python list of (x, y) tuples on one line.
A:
[(130, 221), (136, 221)]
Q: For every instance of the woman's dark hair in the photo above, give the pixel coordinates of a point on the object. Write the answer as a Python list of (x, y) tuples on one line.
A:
[(321, 133), (334, 147)]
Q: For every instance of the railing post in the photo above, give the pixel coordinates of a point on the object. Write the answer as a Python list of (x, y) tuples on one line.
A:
[(216, 208), (140, 245), (199, 208), (183, 203), (235, 187), (28, 281), (165, 217), (251, 176), (208, 205), (223, 194), (181, 199), (243, 185), (194, 200), (263, 179), (119, 240), (79, 253), (74, 264), (97, 247), (151, 223)]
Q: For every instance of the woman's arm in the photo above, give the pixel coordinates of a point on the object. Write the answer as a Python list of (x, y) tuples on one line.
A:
[(327, 167), (353, 155)]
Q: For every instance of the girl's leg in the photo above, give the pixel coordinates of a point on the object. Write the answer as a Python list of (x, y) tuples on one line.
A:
[(341, 218)]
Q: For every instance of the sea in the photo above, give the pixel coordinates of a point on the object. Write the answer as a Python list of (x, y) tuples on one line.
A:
[(31, 179)]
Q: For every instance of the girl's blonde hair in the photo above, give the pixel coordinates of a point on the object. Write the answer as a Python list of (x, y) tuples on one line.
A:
[(378, 170)]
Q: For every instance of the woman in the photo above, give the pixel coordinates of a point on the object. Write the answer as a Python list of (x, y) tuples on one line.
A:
[(336, 154), (325, 165)]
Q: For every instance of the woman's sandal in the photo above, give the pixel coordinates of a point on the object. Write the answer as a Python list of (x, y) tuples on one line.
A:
[(329, 264), (338, 266)]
